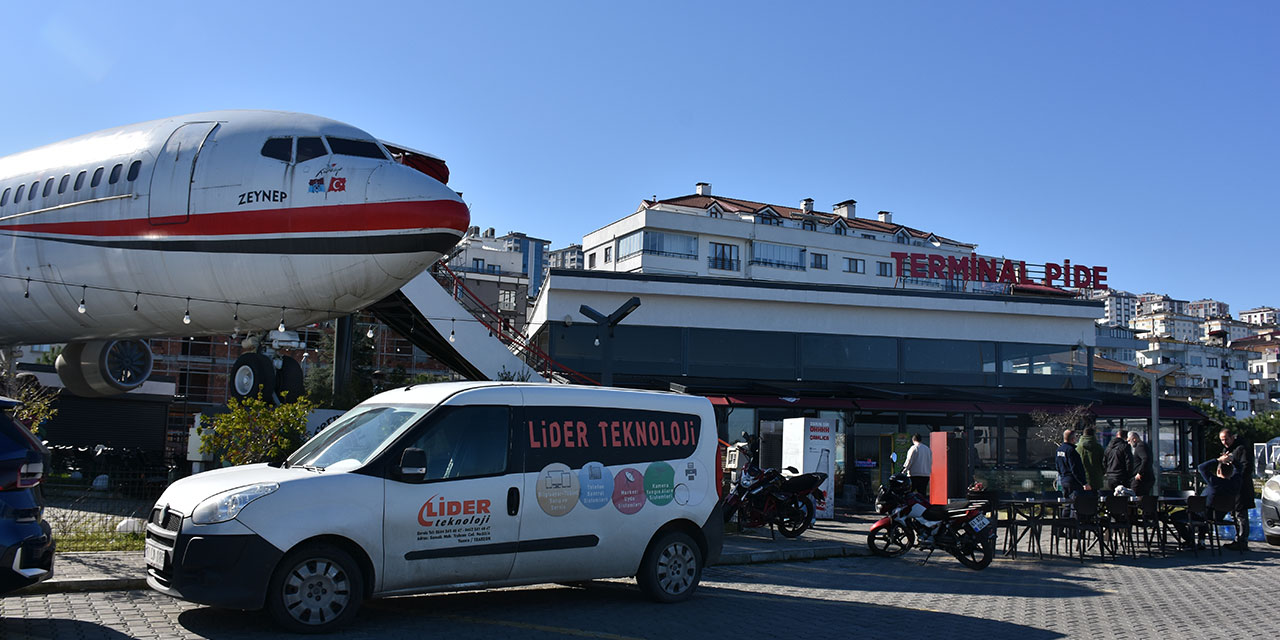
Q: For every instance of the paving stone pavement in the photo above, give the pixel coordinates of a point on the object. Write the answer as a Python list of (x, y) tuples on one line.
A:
[(1176, 597)]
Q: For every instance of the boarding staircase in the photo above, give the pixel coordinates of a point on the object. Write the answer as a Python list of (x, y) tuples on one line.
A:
[(439, 314)]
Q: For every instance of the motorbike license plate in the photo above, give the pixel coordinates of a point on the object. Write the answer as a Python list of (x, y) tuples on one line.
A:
[(155, 556), (978, 523)]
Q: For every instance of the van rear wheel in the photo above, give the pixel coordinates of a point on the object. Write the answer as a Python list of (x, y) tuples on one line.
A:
[(671, 568), (315, 589)]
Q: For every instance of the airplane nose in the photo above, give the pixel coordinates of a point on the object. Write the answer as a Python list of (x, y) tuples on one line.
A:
[(428, 218)]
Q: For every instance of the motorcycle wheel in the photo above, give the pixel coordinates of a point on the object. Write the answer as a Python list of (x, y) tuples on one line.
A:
[(891, 541), (972, 552), (796, 516)]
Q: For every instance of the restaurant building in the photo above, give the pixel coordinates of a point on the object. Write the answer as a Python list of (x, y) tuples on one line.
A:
[(888, 356)]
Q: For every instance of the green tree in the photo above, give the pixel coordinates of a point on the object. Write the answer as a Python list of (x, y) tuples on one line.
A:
[(319, 379), (255, 430), (37, 400)]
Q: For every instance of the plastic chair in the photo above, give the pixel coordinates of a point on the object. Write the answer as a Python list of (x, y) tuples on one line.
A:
[(1151, 522), (1119, 523), (1198, 521), (1082, 522)]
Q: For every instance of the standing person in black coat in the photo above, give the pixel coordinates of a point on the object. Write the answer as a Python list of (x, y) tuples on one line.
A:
[(1070, 468), (1239, 454), (1117, 463), (1144, 468)]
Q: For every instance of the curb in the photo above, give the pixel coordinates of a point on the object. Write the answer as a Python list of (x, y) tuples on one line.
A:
[(81, 585)]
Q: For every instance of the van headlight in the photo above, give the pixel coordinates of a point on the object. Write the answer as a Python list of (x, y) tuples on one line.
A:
[(1271, 490), (227, 505)]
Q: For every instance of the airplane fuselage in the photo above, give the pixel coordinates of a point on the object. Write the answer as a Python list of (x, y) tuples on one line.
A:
[(210, 223)]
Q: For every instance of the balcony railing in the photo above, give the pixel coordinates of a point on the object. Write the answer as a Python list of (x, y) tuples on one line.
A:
[(724, 264), (777, 265)]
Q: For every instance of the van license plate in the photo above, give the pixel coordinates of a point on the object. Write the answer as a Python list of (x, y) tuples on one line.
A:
[(155, 556)]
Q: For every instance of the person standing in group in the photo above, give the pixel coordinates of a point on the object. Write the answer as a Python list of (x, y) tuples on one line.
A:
[(1070, 468), (918, 465), (1117, 463), (1239, 454), (1090, 451), (1143, 467)]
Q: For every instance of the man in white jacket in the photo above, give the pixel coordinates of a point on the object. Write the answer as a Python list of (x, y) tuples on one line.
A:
[(918, 465)]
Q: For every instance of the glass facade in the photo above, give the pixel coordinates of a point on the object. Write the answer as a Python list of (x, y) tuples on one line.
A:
[(675, 245)]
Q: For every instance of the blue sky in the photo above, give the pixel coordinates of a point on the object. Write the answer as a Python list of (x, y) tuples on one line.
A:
[(1139, 135)]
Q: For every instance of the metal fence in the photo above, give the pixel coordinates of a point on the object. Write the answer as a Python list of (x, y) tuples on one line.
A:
[(97, 498)]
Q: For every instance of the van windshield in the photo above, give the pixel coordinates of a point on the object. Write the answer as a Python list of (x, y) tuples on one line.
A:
[(356, 436)]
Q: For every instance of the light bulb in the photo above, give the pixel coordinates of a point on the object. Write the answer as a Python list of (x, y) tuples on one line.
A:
[(451, 338), (281, 327), (369, 333), (81, 307), (597, 342), (186, 318)]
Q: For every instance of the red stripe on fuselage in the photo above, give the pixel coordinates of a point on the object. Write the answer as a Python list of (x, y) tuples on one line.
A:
[(373, 216)]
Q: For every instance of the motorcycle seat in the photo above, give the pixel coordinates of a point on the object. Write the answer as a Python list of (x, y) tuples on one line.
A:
[(802, 483)]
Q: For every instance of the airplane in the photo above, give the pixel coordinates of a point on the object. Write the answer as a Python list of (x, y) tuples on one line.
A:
[(224, 222)]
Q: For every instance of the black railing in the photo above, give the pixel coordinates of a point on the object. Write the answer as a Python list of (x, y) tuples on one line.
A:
[(724, 264), (777, 265)]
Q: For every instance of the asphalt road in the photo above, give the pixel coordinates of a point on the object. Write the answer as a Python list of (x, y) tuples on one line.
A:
[(1208, 597)]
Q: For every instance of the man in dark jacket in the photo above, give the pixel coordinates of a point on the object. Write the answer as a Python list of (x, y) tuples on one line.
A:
[(1117, 463), (1239, 454), (1070, 468), (1144, 469), (1220, 481), (1090, 451)]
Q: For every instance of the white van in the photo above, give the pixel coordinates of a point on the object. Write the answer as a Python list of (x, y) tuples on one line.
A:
[(451, 486)]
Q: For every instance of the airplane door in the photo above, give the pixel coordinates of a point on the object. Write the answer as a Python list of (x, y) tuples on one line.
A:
[(461, 522), (170, 199)]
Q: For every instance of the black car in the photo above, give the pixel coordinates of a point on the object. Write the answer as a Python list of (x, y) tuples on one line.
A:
[(26, 543)]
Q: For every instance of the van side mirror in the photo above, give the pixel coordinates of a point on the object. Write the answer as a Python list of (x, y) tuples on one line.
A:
[(413, 465)]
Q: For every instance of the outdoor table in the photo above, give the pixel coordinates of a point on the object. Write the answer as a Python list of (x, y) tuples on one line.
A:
[(1028, 514)]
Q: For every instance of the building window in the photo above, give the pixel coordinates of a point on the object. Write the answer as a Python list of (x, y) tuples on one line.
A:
[(769, 220), (507, 300), (855, 265), (903, 239), (1212, 362), (809, 225), (839, 230), (608, 255), (777, 255), (723, 257), (591, 260), (477, 264), (869, 236), (672, 245), (714, 214), (818, 261), (884, 269)]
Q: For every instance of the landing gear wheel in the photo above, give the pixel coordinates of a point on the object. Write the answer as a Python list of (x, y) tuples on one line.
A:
[(315, 589), (671, 568), (252, 373), (796, 516), (971, 551), (289, 381), (891, 541)]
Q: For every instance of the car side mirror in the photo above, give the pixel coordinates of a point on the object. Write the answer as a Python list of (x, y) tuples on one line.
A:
[(793, 470), (413, 465)]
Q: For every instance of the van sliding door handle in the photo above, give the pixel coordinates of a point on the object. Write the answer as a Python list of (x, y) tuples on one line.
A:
[(513, 501)]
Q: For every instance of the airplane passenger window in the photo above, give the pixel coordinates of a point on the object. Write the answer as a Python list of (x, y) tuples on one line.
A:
[(357, 148), (17, 195), (48, 187), (79, 180), (133, 170), (278, 148), (309, 148), (62, 184), (97, 178), (115, 174), (35, 187), (4, 198)]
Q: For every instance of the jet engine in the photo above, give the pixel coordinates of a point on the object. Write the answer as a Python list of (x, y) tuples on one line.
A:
[(100, 368)]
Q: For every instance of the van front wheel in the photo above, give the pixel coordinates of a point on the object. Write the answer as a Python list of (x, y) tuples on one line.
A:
[(315, 589), (671, 568)]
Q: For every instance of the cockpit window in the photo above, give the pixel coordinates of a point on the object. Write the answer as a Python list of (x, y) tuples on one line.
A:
[(309, 148), (278, 148), (357, 148)]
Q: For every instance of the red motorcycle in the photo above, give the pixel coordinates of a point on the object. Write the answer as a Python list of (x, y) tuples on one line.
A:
[(964, 533), (766, 497)]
